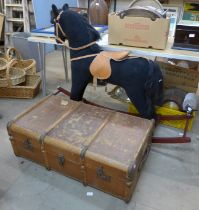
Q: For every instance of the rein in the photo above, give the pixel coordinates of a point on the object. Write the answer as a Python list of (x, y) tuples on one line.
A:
[(84, 56), (58, 26)]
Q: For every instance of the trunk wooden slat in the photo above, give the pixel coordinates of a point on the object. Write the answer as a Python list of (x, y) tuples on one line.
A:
[(101, 148), (68, 140), (28, 129)]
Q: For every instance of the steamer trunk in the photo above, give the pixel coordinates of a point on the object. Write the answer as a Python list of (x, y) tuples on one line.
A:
[(101, 148)]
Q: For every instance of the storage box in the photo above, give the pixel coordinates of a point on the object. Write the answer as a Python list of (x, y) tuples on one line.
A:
[(187, 36), (138, 31), (178, 77), (164, 111)]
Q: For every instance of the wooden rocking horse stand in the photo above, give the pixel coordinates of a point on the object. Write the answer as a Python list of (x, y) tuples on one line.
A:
[(162, 140)]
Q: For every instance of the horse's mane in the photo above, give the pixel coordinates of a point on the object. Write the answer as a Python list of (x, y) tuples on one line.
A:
[(92, 30), (77, 28)]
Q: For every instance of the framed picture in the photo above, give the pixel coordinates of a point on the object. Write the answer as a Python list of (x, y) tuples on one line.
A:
[(191, 10)]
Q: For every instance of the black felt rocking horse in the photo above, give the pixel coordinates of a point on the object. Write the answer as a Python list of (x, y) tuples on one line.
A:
[(141, 78)]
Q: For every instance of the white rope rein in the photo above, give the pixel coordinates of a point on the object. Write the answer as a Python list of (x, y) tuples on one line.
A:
[(58, 27)]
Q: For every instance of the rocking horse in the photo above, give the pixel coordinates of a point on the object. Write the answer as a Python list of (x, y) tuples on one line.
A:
[(141, 78)]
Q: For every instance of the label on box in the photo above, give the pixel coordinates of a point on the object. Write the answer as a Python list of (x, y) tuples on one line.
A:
[(138, 31)]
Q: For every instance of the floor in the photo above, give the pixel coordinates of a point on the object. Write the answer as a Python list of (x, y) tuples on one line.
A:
[(169, 179)]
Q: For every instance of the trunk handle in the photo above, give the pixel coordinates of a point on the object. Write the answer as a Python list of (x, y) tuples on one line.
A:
[(27, 145), (100, 174), (61, 159)]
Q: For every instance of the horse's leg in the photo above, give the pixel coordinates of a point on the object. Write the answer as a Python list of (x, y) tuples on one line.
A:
[(77, 90), (80, 79), (143, 104)]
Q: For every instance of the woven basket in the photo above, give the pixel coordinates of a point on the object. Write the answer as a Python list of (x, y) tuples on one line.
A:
[(13, 76), (13, 53), (3, 66), (29, 65), (29, 89)]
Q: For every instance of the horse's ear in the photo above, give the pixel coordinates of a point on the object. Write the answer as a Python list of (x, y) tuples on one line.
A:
[(65, 7), (55, 11), (94, 32)]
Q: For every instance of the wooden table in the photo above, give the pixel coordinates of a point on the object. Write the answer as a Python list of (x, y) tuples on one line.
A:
[(167, 53)]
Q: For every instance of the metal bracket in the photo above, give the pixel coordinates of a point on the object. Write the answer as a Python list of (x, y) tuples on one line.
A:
[(9, 124), (61, 160), (27, 145), (100, 174)]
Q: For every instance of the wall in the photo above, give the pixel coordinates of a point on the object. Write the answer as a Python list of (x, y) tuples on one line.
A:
[(42, 10), (123, 4)]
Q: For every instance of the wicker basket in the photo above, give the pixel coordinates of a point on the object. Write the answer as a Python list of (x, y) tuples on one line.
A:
[(28, 89), (13, 76), (29, 65), (13, 53), (3, 66)]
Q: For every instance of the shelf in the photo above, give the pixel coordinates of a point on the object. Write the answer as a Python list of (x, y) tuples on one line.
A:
[(11, 33), (21, 20), (14, 5), (9, 46), (17, 9)]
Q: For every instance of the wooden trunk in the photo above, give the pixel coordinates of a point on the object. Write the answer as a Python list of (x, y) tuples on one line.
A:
[(101, 148)]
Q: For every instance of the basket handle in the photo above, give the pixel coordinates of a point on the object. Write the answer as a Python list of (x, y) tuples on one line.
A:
[(17, 53), (125, 12), (9, 65)]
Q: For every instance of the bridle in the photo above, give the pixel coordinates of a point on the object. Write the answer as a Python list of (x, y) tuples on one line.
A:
[(58, 27)]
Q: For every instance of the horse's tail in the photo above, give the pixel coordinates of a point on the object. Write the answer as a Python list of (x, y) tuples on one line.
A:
[(154, 84)]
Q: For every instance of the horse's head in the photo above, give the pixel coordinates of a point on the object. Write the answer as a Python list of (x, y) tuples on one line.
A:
[(73, 26)]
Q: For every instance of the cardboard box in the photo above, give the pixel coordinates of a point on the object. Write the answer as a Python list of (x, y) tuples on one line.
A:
[(138, 31)]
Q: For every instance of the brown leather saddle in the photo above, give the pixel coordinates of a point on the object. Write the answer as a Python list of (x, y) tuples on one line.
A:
[(100, 67)]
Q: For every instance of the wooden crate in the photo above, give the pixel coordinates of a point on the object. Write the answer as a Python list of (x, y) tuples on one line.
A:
[(178, 77)]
